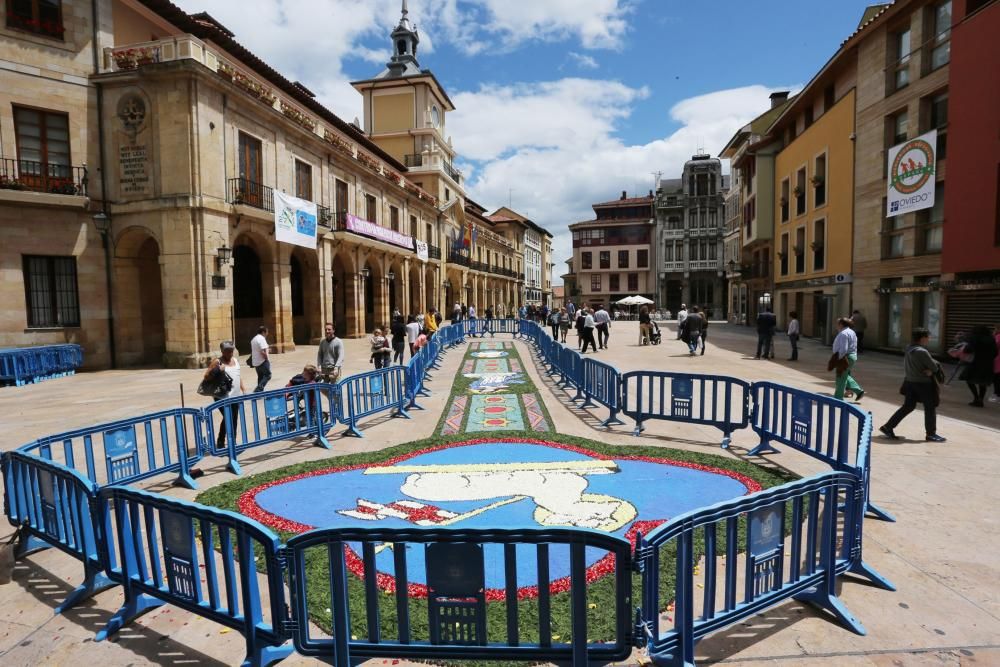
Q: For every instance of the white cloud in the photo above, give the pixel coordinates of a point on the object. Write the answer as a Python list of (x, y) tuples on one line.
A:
[(583, 60), (555, 145), (598, 24)]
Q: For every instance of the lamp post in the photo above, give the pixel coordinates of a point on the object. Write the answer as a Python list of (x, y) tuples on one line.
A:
[(103, 224)]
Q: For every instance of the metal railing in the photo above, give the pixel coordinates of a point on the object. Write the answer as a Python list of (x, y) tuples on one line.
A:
[(57, 179), (324, 216), (433, 251), (458, 258), (455, 174), (250, 193), (413, 160)]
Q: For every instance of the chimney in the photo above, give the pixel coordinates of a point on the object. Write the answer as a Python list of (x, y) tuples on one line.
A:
[(778, 98), (624, 195)]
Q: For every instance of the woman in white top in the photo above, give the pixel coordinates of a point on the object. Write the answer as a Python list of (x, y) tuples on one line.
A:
[(229, 364), (793, 334)]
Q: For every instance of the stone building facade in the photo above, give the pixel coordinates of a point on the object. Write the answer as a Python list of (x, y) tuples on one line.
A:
[(537, 242), (160, 128), (732, 259), (690, 223), (612, 253)]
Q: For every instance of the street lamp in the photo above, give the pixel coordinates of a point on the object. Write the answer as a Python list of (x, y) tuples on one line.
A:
[(223, 255), (446, 284), (103, 225), (390, 276), (366, 273)]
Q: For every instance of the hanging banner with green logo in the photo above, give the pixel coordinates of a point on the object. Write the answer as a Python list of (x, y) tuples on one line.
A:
[(912, 165)]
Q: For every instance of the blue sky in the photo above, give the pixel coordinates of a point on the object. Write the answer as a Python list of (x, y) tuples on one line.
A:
[(563, 102)]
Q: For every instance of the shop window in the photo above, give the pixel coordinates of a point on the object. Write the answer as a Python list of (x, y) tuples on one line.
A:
[(941, 42), (41, 17), (50, 290)]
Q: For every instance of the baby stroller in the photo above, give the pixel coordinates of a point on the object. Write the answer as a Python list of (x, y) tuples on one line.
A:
[(654, 333)]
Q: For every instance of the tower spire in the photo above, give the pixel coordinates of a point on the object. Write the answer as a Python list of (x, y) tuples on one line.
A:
[(404, 46), (404, 20)]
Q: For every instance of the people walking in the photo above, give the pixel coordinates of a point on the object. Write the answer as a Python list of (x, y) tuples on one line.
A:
[(581, 319), (978, 374), (413, 331), (921, 375), (704, 330), (488, 315), (564, 320), (644, 320), (554, 324), (227, 364), (766, 323), (589, 326), (793, 331), (845, 355), (471, 315), (692, 330), (330, 356), (603, 322), (260, 359), (380, 349), (431, 323), (860, 325), (681, 316), (398, 331)]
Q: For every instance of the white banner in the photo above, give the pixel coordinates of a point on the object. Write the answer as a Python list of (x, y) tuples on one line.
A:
[(294, 220), (421, 250), (912, 165)]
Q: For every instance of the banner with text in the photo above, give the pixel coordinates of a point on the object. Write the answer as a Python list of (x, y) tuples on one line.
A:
[(912, 165), (294, 220), (371, 230), (422, 250)]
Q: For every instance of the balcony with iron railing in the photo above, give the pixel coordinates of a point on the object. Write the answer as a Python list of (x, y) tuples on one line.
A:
[(324, 216), (433, 251), (458, 258), (56, 179), (432, 160), (243, 191)]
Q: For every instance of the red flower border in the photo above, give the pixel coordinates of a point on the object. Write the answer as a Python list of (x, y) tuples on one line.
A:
[(247, 505)]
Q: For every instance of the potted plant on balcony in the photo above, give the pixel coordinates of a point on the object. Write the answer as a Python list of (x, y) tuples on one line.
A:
[(8, 183), (798, 250), (145, 55), (125, 59), (784, 201), (816, 245), (816, 181), (797, 191)]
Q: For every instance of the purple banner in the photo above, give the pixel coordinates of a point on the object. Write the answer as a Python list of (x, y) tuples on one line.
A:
[(370, 229)]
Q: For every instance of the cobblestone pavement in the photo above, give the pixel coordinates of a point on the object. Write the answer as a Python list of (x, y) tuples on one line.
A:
[(942, 553)]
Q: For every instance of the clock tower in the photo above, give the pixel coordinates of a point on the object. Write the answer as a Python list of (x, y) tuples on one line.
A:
[(405, 113)]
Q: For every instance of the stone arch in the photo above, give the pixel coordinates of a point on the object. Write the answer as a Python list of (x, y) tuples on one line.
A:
[(253, 291), (373, 294), (343, 271), (397, 299), (307, 311), (140, 328)]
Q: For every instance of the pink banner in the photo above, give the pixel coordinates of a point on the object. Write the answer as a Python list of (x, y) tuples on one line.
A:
[(370, 229)]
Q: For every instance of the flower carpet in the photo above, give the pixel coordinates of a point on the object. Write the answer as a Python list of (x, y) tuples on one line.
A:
[(496, 462)]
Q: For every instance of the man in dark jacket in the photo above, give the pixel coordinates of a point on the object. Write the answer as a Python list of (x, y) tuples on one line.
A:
[(766, 323), (921, 374), (692, 328)]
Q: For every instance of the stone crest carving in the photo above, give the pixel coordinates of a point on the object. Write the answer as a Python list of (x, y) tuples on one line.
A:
[(132, 114)]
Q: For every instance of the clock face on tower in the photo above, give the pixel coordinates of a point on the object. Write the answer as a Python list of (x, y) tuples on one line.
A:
[(435, 116)]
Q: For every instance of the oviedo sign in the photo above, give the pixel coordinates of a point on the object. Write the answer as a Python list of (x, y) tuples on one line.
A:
[(912, 165)]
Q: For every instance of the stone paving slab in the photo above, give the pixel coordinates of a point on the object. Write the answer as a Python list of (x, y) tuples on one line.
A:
[(943, 553)]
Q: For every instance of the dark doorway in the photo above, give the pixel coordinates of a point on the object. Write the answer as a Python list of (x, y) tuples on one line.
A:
[(248, 295)]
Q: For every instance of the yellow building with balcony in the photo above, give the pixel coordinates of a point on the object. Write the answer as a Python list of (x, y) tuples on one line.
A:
[(814, 192)]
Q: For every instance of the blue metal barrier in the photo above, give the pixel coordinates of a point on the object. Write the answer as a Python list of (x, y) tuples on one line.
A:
[(779, 561), (713, 400), (571, 370), (369, 393), (54, 506), (416, 370), (131, 449), (257, 419), (23, 365), (603, 383), (167, 570), (455, 570), (823, 427)]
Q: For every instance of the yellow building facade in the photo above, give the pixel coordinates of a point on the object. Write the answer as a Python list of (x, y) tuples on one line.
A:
[(814, 193), (133, 125)]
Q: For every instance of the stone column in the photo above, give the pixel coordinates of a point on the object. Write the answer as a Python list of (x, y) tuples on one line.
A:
[(421, 304), (354, 308), (406, 305), (278, 307)]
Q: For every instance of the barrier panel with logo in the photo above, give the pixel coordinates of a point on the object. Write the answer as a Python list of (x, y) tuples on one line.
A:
[(460, 569), (602, 383), (366, 394), (201, 559), (795, 538), (257, 419), (713, 400), (129, 450), (54, 506)]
